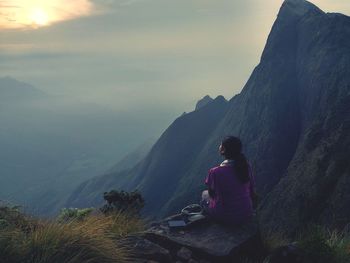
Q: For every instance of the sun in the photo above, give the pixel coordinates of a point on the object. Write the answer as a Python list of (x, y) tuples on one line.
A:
[(39, 17)]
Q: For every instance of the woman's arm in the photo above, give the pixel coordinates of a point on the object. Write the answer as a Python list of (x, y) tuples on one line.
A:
[(209, 181)]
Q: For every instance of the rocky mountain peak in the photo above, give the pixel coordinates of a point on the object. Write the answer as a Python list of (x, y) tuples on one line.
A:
[(203, 102), (299, 7)]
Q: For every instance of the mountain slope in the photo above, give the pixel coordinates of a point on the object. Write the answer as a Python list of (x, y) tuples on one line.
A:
[(135, 156), (167, 161), (12, 90), (293, 118)]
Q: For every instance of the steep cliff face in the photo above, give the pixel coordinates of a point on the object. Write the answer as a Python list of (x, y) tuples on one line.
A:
[(293, 117), (315, 187)]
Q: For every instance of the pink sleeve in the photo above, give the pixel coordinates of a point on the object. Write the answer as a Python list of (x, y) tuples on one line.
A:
[(209, 181)]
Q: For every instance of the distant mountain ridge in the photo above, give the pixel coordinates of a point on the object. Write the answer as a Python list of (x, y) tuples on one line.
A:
[(293, 116), (12, 89), (50, 144)]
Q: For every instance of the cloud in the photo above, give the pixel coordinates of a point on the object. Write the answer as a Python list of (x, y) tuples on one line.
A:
[(130, 2), (186, 48), (17, 14)]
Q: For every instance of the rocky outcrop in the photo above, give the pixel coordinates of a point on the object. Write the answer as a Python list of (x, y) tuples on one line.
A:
[(144, 250), (203, 241)]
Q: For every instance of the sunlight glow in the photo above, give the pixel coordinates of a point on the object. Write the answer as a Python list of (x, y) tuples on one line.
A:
[(39, 17), (17, 14)]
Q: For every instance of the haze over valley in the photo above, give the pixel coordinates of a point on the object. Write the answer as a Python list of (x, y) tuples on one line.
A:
[(86, 94), (50, 144)]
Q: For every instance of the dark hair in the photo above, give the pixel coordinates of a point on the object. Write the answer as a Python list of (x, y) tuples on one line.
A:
[(233, 151)]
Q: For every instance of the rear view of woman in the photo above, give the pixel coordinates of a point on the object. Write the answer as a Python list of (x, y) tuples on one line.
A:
[(230, 194)]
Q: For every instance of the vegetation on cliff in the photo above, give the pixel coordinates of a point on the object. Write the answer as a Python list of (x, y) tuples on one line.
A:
[(76, 235)]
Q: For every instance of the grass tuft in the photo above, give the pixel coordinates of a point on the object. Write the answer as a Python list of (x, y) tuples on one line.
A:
[(94, 239), (321, 245)]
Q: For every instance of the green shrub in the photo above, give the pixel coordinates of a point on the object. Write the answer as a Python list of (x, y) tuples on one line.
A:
[(68, 214), (4, 224), (121, 201), (340, 245), (11, 217)]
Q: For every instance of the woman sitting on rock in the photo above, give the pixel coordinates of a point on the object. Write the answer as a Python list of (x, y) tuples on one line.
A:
[(230, 194)]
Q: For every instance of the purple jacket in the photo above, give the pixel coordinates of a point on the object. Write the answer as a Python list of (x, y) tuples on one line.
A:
[(232, 202)]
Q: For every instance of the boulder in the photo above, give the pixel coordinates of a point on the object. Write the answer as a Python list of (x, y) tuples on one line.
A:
[(184, 254), (208, 239), (146, 251)]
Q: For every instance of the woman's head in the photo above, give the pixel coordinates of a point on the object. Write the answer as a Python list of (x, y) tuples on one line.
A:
[(231, 148)]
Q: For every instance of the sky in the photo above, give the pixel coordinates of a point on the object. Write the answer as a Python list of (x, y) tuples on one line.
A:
[(145, 55)]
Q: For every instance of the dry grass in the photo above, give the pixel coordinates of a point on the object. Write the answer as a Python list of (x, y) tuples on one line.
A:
[(124, 224), (317, 244), (92, 240), (337, 243)]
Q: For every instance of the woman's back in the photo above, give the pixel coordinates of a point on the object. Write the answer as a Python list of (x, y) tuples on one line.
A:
[(231, 200)]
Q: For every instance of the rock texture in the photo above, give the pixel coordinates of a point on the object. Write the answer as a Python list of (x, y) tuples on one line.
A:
[(293, 116), (143, 250), (201, 242), (315, 185)]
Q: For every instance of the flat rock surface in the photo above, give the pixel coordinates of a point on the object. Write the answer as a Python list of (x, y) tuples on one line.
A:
[(146, 251), (208, 237)]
